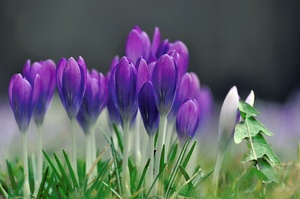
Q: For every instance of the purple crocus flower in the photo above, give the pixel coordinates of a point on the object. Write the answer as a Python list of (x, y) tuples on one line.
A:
[(187, 119), (71, 84), (189, 87), (205, 102), (94, 100), (23, 98), (138, 45), (164, 79), (122, 86), (182, 50), (148, 108), (46, 71)]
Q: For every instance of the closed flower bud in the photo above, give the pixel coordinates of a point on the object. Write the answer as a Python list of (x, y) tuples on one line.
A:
[(138, 45), (122, 86), (187, 119), (148, 108), (164, 79), (23, 98), (46, 71), (71, 84), (94, 100)]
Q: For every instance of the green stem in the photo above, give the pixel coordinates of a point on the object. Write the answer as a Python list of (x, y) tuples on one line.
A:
[(74, 147), (26, 189), (160, 142), (125, 170)]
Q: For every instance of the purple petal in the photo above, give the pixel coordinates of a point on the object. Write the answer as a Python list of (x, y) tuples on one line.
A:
[(59, 73), (134, 45), (142, 74), (155, 41)]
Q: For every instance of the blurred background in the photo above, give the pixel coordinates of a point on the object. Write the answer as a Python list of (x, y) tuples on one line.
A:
[(250, 44)]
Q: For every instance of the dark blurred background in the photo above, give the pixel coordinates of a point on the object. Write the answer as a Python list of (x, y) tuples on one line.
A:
[(251, 44)]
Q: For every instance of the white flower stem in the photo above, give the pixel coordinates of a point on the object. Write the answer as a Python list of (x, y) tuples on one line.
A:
[(93, 150), (26, 189), (125, 170), (215, 179), (149, 178), (74, 147), (88, 154), (39, 154), (159, 146)]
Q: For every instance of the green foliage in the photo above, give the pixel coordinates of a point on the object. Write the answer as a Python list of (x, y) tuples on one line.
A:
[(260, 153)]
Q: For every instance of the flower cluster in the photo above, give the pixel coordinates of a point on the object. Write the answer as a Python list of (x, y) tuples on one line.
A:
[(150, 82)]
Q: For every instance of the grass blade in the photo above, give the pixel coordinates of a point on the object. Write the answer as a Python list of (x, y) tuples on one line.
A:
[(71, 171), (156, 178), (114, 154), (175, 169), (11, 175), (4, 192), (120, 143), (41, 188), (62, 171), (143, 175)]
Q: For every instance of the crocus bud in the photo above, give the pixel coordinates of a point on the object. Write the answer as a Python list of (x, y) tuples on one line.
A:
[(187, 119), (94, 100), (23, 98), (164, 79), (123, 92), (71, 83), (138, 45), (228, 118), (182, 50), (46, 71), (205, 102), (250, 99), (189, 87), (148, 108)]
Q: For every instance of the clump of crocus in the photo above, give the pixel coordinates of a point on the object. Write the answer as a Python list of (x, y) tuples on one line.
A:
[(94, 101), (229, 117), (150, 118), (46, 71), (71, 84), (23, 98), (122, 86), (187, 120)]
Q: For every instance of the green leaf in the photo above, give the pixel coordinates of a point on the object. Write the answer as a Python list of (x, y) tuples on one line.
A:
[(266, 171), (247, 109), (261, 148), (190, 184), (249, 125)]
